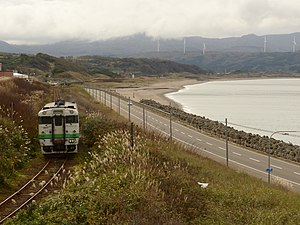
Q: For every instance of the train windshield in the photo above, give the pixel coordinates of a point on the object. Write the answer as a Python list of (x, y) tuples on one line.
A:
[(71, 119), (45, 120), (58, 120)]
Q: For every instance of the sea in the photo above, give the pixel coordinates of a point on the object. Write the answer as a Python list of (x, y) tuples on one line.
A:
[(269, 107)]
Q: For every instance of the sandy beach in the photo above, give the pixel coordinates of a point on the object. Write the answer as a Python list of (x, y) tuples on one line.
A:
[(157, 91)]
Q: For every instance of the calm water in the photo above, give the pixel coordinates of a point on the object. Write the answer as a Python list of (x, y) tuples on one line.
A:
[(257, 106)]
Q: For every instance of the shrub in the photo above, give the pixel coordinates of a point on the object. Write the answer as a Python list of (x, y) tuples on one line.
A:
[(14, 147), (94, 127)]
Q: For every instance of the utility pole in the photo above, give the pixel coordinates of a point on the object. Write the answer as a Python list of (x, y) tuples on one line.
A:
[(131, 135), (110, 100), (170, 122), (119, 104), (129, 104), (144, 125), (226, 145)]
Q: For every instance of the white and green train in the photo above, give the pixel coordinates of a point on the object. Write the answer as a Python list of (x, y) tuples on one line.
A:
[(59, 128)]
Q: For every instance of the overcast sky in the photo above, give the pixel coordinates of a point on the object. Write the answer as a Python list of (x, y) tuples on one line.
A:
[(48, 21)]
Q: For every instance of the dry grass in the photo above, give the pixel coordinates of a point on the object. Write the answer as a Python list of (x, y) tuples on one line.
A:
[(156, 182)]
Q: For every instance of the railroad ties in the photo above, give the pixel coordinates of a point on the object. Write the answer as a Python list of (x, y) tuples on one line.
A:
[(49, 179)]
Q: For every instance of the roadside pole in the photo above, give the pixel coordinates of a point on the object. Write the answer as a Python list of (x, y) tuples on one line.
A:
[(131, 135), (110, 100), (119, 103), (170, 122), (144, 125), (227, 155), (129, 104)]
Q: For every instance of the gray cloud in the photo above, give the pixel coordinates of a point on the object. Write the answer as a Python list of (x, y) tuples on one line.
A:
[(48, 21)]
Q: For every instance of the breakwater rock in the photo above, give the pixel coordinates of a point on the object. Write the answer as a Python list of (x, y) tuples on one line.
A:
[(256, 142)]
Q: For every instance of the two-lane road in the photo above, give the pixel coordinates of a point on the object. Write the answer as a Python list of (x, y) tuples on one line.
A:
[(239, 158)]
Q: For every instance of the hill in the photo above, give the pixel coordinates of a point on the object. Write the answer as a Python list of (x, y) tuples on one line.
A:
[(87, 67), (140, 44), (137, 66), (40, 65), (232, 62)]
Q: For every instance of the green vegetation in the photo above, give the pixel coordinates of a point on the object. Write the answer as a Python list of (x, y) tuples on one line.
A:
[(240, 62), (137, 66), (39, 64), (85, 68), (20, 102), (15, 148), (155, 182)]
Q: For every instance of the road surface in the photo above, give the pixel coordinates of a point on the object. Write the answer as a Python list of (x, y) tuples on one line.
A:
[(239, 158)]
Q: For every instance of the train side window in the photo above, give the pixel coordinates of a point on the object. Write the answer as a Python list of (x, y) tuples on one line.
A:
[(45, 120), (71, 119), (58, 120)]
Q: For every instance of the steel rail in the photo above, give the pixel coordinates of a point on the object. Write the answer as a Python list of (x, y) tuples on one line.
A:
[(35, 195)]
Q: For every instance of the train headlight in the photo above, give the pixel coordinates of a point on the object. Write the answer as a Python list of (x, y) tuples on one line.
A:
[(71, 140)]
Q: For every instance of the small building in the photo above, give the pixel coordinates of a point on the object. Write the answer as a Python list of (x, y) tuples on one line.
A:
[(5, 73)]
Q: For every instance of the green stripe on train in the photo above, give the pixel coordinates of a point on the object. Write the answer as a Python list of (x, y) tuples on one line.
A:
[(49, 136)]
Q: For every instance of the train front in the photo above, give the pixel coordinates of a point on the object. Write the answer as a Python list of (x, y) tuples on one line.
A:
[(59, 128)]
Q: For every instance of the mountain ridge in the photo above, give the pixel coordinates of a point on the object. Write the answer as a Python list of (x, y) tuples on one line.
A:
[(141, 43)]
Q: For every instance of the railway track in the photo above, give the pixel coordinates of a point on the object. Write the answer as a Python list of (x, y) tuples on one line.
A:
[(49, 179)]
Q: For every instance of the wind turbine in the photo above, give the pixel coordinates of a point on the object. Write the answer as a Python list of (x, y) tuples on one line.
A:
[(294, 44), (184, 45), (203, 49), (265, 44)]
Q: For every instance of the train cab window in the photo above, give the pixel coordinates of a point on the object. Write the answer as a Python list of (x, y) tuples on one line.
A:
[(58, 120), (45, 120), (71, 119)]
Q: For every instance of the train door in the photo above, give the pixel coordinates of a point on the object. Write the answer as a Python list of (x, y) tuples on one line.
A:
[(58, 130)]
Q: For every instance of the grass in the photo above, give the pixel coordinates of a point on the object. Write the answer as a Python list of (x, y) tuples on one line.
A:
[(19, 103), (155, 182)]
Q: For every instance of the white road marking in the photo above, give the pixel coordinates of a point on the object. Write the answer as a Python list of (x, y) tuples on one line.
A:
[(209, 143), (176, 129), (222, 148), (237, 153), (190, 136), (182, 132), (256, 160), (198, 139), (297, 173), (276, 167)]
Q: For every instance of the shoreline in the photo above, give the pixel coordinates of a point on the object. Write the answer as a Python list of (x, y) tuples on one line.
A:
[(157, 91)]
